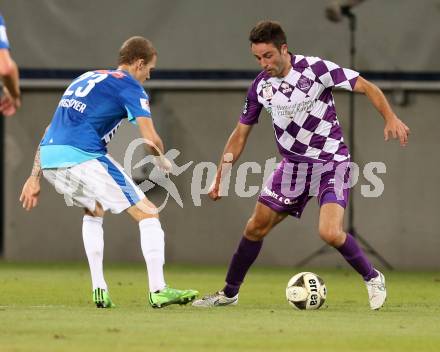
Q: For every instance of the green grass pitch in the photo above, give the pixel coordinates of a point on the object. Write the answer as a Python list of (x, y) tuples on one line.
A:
[(48, 307)]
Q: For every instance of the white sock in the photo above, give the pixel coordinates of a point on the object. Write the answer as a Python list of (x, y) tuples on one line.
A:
[(93, 238), (153, 248)]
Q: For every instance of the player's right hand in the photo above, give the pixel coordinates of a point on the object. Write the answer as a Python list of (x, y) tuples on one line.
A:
[(163, 163), (214, 190), (8, 104), (29, 194)]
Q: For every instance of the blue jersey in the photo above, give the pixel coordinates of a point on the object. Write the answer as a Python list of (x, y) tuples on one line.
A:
[(88, 115), (4, 43)]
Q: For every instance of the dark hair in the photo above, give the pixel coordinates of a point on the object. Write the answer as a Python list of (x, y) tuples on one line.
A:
[(136, 48), (268, 32)]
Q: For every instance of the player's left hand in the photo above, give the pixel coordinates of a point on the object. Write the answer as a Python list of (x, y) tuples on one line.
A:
[(30, 193), (397, 130)]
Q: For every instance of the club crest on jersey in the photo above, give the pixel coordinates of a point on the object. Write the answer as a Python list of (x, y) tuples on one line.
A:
[(267, 91), (304, 83)]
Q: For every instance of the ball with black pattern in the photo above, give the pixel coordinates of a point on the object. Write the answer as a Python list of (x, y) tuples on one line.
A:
[(306, 291)]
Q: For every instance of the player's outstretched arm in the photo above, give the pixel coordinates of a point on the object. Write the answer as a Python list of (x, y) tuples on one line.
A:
[(31, 188), (393, 125), (153, 142), (233, 149)]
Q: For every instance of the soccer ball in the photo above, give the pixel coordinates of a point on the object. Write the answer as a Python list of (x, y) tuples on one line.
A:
[(306, 291)]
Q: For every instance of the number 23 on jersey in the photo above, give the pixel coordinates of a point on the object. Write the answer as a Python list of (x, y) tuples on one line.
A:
[(84, 84)]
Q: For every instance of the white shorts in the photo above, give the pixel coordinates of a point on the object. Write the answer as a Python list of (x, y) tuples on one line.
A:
[(100, 180)]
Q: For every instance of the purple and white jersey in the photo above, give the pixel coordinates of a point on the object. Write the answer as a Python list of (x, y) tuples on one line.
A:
[(302, 108)]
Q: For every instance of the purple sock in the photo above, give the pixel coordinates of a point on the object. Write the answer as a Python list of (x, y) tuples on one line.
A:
[(354, 255), (242, 259)]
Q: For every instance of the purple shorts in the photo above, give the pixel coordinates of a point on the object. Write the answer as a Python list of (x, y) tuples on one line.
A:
[(293, 184)]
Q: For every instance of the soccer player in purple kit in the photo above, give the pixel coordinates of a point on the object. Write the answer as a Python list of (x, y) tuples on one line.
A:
[(297, 92)]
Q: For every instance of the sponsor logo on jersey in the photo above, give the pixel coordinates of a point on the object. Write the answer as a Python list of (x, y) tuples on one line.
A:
[(267, 91), (3, 36), (290, 110), (145, 104), (245, 107), (285, 88)]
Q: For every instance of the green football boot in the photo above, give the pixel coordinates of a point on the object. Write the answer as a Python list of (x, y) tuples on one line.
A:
[(170, 295), (102, 298)]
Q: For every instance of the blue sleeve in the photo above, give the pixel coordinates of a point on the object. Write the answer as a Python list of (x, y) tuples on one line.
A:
[(4, 43), (136, 102)]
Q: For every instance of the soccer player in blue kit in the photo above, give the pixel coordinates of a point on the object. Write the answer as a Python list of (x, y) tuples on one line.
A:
[(73, 157), (11, 98), (296, 90)]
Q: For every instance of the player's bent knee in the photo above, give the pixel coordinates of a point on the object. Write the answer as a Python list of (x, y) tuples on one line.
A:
[(333, 236), (98, 212), (147, 208)]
